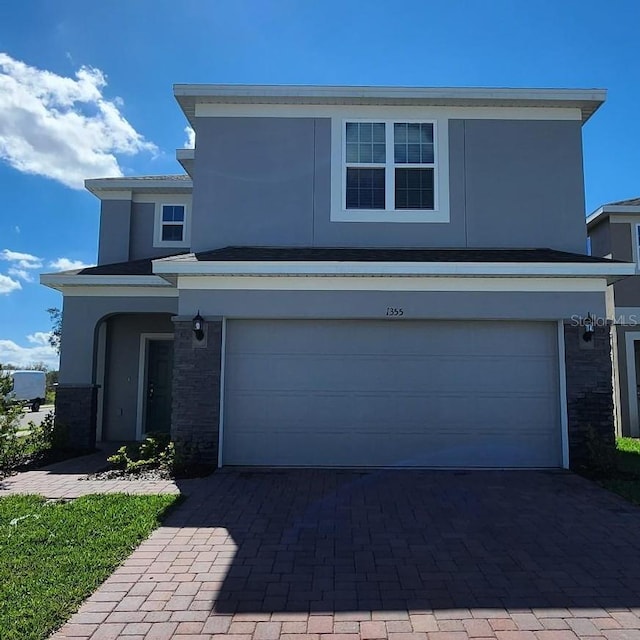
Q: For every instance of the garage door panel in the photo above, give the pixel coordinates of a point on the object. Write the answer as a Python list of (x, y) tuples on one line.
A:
[(349, 393), (467, 450), (317, 373), (365, 413)]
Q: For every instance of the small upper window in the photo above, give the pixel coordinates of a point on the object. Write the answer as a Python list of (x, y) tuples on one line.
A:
[(171, 225), (172, 222)]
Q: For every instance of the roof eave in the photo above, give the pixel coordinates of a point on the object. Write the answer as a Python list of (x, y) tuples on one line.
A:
[(187, 95), (101, 187), (192, 267), (64, 280), (607, 210)]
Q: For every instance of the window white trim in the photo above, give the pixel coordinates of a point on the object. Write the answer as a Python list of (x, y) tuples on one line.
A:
[(440, 212), (142, 376), (223, 367), (562, 387), (158, 224)]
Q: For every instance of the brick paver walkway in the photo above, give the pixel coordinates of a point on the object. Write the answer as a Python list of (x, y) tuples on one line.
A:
[(402, 555), (67, 480)]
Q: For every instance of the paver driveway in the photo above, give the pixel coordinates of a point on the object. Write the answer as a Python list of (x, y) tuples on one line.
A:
[(379, 554)]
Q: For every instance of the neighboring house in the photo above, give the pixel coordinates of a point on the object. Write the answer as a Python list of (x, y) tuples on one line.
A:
[(385, 277), (614, 232)]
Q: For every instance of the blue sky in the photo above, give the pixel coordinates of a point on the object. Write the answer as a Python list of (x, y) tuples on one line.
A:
[(119, 115)]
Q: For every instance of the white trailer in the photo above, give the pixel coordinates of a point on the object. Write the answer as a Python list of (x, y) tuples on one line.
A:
[(29, 387)]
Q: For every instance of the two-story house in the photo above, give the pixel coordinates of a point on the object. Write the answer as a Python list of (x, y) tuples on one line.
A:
[(614, 232), (349, 276)]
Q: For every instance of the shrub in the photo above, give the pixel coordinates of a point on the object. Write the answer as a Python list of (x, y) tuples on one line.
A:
[(12, 452), (44, 439), (154, 452)]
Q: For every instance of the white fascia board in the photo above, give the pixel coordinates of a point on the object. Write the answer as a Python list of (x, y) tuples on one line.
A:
[(390, 283), (103, 188), (186, 157), (587, 101), (358, 92), (386, 111), (62, 281), (329, 268)]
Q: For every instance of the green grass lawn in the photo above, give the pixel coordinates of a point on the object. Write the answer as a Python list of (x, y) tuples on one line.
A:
[(625, 480), (55, 554)]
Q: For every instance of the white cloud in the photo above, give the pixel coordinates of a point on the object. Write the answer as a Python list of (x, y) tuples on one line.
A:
[(21, 273), (7, 284), (39, 337), (13, 353), (65, 264), (60, 127), (190, 142), (17, 228), (21, 260)]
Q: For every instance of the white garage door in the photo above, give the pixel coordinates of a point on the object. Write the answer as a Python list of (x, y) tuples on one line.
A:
[(399, 393)]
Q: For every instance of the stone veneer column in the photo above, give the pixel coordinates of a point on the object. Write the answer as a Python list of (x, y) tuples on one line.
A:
[(195, 416), (589, 390), (76, 414)]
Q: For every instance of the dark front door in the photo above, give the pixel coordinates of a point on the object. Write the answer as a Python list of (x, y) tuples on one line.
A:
[(158, 398)]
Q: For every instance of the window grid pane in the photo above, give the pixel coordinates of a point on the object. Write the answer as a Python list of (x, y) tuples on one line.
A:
[(413, 143), (365, 188), (366, 142), (172, 232), (173, 213), (414, 189)]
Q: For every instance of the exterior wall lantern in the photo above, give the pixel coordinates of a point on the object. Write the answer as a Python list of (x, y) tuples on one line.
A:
[(198, 326), (589, 328)]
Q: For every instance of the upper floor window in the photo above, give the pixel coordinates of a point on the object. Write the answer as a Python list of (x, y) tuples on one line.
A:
[(392, 171), (389, 166), (171, 225)]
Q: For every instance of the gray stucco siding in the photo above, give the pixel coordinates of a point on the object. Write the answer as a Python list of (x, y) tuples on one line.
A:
[(373, 304), (81, 315), (623, 379), (254, 182), (627, 292), (600, 239), (524, 184), (621, 241), (115, 221), (267, 181)]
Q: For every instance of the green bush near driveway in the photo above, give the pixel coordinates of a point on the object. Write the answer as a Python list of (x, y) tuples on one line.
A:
[(616, 468), (53, 554)]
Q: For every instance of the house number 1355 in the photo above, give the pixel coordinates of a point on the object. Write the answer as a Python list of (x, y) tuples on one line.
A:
[(395, 311)]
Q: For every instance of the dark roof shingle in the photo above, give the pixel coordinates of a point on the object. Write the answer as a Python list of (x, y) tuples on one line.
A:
[(342, 254), (632, 202)]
